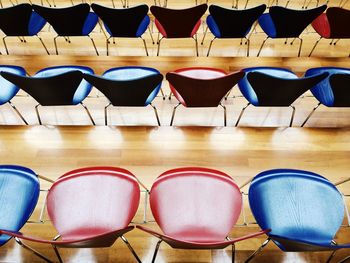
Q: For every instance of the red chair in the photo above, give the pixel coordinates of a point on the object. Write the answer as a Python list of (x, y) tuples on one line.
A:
[(90, 207), (196, 208), (334, 24)]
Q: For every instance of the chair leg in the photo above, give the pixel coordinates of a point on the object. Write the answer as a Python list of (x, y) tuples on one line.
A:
[(150, 33), (233, 253), (42, 42), (18, 113), (57, 254), (292, 118), (162, 92), (156, 251), (159, 45), (156, 113), (32, 250), (211, 42), (313, 48), (224, 107), (173, 115), (88, 113), (106, 122), (37, 113), (196, 42), (240, 115), (312, 112), (248, 46), (107, 45), (257, 251), (344, 260), (3, 40), (93, 43), (336, 42), (263, 43), (131, 249), (301, 44), (246, 4), (144, 43), (331, 256), (55, 42), (205, 33)]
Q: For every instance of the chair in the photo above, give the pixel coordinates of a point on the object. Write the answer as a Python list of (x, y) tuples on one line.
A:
[(128, 87), (274, 87), (282, 22), (332, 25), (126, 23), (20, 21), (55, 86), (196, 193), (178, 23), (311, 214), (333, 91), (74, 21), (90, 208), (201, 87), (8, 90), (230, 23)]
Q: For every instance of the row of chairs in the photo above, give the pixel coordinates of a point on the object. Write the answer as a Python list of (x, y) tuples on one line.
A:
[(93, 207), (193, 87), (26, 20)]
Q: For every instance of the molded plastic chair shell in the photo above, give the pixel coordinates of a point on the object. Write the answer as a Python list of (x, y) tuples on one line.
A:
[(7, 89)]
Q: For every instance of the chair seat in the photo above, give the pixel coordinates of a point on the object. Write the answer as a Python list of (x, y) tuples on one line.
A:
[(214, 29), (201, 73), (266, 23), (321, 26), (90, 23), (36, 23)]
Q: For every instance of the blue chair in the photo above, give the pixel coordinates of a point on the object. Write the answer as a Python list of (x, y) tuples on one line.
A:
[(303, 210), (274, 87), (55, 86), (333, 91), (9, 90), (128, 87), (21, 21)]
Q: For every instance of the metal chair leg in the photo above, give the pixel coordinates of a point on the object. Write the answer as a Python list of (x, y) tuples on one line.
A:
[(162, 92), (233, 253), (150, 33), (57, 254), (131, 249), (263, 43), (156, 251), (156, 113), (88, 112), (159, 45), (301, 44), (3, 40), (37, 113), (196, 42), (292, 118), (205, 33), (32, 250), (211, 42), (312, 112), (106, 113), (248, 46), (257, 251), (344, 260), (313, 48), (240, 115), (246, 4), (93, 43), (42, 42), (336, 41), (18, 113), (173, 115), (224, 107), (144, 43), (331, 256), (107, 44), (55, 42)]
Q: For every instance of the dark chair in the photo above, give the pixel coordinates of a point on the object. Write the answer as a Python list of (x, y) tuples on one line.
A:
[(282, 22), (9, 90), (20, 21), (274, 87), (125, 23), (227, 23), (201, 87), (90, 208), (178, 23), (334, 24), (303, 210), (196, 208), (128, 87), (75, 21), (333, 91), (55, 86)]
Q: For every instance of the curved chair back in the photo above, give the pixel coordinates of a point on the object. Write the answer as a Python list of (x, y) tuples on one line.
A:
[(195, 204), (7, 89), (128, 86), (93, 200), (178, 23), (19, 190), (298, 206), (235, 23), (201, 87), (122, 22), (68, 21), (339, 19)]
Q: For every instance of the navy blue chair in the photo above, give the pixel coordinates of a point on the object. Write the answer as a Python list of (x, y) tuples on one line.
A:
[(227, 23), (124, 23), (55, 86), (333, 91), (303, 210), (74, 21), (128, 87), (21, 21), (274, 87), (286, 23), (9, 90)]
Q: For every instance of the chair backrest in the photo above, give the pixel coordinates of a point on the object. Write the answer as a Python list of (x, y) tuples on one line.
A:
[(339, 21), (234, 23), (296, 204), (14, 20), (68, 21), (178, 23), (7, 89), (201, 87), (133, 91), (93, 200), (121, 22), (19, 191), (291, 23), (195, 204)]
